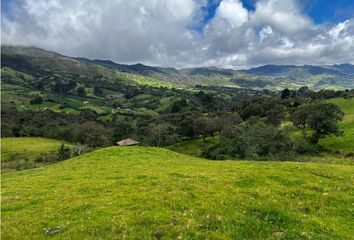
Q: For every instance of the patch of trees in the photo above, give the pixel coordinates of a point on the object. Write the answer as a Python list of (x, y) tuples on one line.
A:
[(253, 139), (304, 93), (256, 138), (321, 118)]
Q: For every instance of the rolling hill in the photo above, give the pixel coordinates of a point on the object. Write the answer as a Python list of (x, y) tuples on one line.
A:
[(274, 77), (153, 193), (21, 152)]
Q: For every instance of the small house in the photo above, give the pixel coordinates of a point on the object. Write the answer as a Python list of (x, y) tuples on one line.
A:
[(128, 142)]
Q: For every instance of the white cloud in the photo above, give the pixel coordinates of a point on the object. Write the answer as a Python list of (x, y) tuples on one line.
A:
[(233, 12), (283, 15), (161, 32)]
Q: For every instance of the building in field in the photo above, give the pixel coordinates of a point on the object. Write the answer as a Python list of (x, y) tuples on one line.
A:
[(128, 142)]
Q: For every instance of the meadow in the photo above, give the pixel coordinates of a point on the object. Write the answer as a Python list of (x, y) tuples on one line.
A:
[(21, 152), (343, 144), (153, 193)]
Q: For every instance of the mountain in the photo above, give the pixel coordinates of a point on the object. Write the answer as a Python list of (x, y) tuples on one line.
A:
[(316, 77), (287, 70), (274, 77), (344, 68), (136, 68)]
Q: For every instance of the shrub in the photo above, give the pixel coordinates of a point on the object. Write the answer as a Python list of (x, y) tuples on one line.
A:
[(37, 100), (63, 152), (304, 146)]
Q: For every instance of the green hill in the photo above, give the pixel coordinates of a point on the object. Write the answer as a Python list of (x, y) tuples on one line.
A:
[(21, 152), (343, 143), (152, 193), (275, 77), (32, 146)]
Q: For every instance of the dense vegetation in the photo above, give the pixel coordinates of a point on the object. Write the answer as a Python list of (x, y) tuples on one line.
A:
[(93, 104), (152, 193)]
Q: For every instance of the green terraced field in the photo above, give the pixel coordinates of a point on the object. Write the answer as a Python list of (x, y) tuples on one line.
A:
[(152, 193)]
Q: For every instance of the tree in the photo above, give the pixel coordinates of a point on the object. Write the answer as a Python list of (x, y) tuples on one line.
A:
[(81, 91), (63, 152), (206, 126), (321, 118), (92, 134), (161, 134), (78, 149), (252, 139), (207, 99), (275, 115), (122, 129), (37, 100), (285, 93), (97, 91)]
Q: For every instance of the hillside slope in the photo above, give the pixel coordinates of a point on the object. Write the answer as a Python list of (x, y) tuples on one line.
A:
[(152, 193), (345, 143), (274, 77)]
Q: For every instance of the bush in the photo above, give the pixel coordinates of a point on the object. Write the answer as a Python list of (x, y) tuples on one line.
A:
[(64, 152), (91, 134), (37, 100), (46, 158), (213, 151), (304, 146)]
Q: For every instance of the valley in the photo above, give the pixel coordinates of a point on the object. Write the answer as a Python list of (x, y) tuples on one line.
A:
[(224, 154)]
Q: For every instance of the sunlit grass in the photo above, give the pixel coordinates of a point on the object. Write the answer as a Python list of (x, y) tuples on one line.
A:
[(152, 193), (343, 143)]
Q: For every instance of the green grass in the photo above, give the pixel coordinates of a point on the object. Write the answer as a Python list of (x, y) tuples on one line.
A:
[(31, 146), (343, 143), (22, 153), (152, 193)]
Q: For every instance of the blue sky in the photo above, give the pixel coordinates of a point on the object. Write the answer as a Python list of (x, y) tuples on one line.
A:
[(320, 11)]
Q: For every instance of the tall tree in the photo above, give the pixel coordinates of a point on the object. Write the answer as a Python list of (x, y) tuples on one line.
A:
[(321, 118)]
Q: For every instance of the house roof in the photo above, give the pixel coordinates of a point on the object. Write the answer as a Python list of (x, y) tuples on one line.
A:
[(127, 142)]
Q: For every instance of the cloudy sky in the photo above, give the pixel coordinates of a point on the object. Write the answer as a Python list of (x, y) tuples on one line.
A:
[(185, 33)]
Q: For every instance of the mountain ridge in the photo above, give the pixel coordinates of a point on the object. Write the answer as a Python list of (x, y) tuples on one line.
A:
[(275, 77)]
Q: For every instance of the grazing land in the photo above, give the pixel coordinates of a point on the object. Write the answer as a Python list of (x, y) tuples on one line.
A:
[(23, 150), (345, 143), (154, 193)]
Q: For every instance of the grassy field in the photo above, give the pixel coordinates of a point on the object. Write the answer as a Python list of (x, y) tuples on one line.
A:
[(20, 152), (31, 146), (152, 193), (344, 143)]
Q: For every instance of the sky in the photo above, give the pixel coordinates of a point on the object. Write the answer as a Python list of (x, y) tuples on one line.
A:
[(186, 33)]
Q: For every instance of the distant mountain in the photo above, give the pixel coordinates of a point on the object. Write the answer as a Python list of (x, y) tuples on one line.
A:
[(136, 68), (308, 70), (316, 77), (208, 72), (344, 68), (275, 77)]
